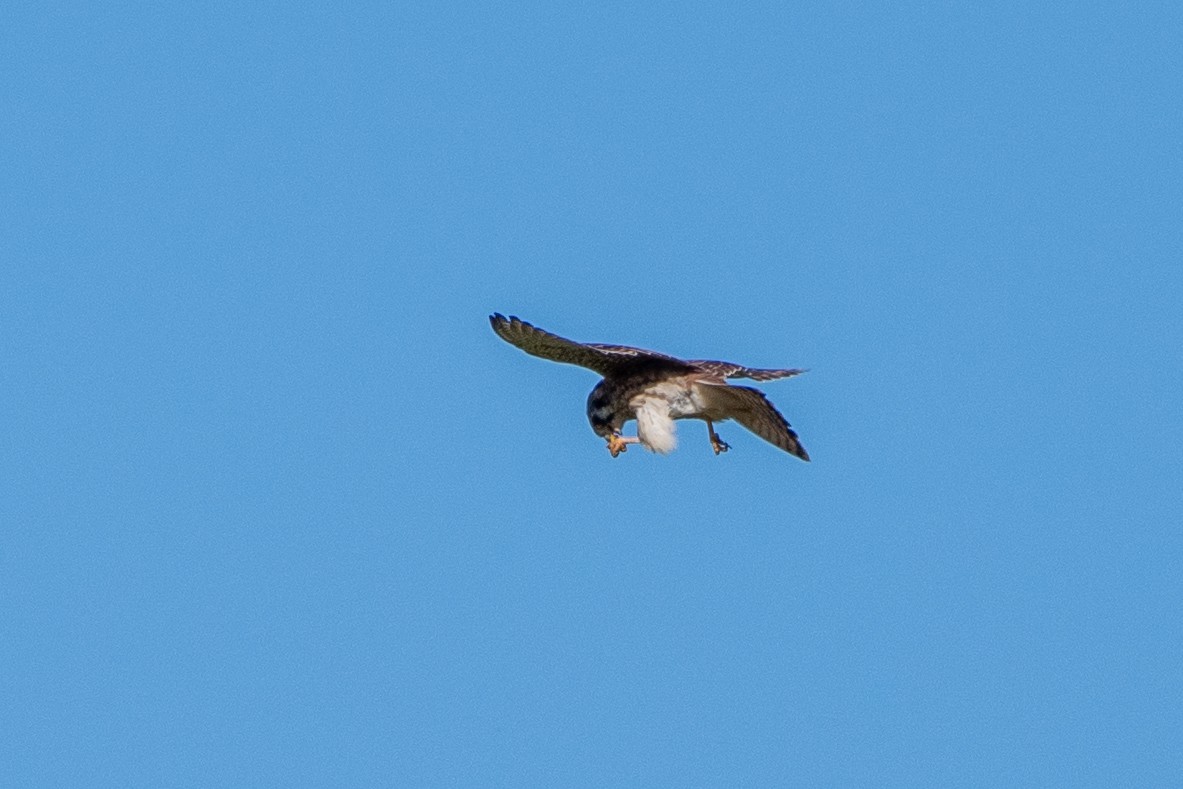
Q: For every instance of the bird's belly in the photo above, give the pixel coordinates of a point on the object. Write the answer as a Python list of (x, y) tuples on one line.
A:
[(688, 405), (681, 400)]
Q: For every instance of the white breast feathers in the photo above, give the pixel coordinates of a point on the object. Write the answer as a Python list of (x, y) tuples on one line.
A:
[(655, 427), (657, 407)]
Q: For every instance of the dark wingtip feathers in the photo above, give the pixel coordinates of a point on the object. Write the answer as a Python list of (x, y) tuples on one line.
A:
[(503, 325), (757, 374), (499, 320)]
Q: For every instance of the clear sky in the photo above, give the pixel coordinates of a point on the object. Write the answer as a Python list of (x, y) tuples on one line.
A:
[(278, 509)]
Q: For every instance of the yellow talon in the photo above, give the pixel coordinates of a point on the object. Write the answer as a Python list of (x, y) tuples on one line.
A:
[(616, 445)]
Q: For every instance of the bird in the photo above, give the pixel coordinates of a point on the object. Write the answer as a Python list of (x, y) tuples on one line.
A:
[(655, 390)]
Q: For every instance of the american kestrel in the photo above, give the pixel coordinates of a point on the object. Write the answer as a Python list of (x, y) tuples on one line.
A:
[(655, 389)]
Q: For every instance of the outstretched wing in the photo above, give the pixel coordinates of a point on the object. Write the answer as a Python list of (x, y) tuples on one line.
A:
[(752, 409), (604, 359), (731, 370)]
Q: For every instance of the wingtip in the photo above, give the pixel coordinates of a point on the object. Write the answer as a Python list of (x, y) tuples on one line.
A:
[(511, 322), (505, 326), (795, 448)]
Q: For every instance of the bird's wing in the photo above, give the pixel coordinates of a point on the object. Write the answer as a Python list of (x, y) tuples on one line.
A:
[(604, 359), (752, 409), (732, 370)]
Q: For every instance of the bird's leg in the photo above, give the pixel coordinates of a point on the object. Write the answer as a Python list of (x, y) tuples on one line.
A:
[(618, 443), (717, 444)]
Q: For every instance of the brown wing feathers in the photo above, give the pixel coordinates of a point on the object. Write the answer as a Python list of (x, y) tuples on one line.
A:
[(604, 359), (731, 370), (753, 410)]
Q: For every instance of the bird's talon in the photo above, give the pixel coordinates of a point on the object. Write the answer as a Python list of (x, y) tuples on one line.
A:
[(719, 445)]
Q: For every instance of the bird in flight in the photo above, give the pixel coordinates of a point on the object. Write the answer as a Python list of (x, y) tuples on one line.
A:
[(655, 389)]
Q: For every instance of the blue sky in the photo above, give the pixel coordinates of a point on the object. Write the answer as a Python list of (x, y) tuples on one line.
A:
[(280, 510)]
